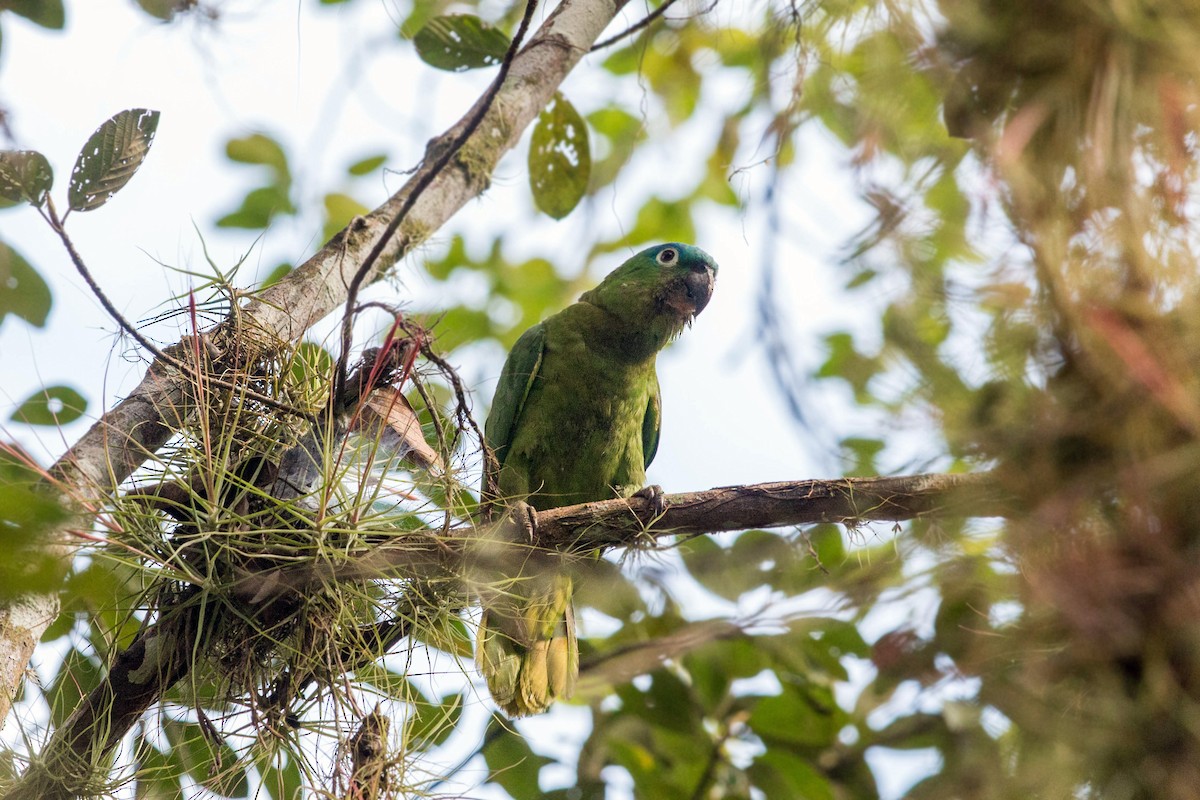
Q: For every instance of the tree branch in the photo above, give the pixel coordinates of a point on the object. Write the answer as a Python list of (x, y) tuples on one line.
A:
[(628, 523)]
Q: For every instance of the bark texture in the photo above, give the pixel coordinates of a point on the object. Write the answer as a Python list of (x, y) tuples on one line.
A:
[(631, 523)]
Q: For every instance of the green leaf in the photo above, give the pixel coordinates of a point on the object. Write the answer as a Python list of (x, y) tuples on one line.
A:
[(846, 362), (165, 10), (658, 220), (560, 161), (77, 675), (755, 558), (449, 634), (88, 595), (793, 717), (281, 776), (779, 773), (156, 776), (257, 209), (421, 12), (826, 542), (430, 724), (23, 293), (258, 148), (27, 511), (511, 763), (395, 685), (626, 60), (25, 176), (602, 587), (47, 13), (311, 366), (458, 326), (661, 760), (863, 453), (110, 158), (212, 764), (619, 134), (276, 275), (340, 209), (260, 205), (669, 703), (57, 405), (713, 667), (458, 42), (367, 165)]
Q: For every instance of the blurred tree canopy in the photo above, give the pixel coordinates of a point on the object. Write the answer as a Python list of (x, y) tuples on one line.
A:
[(1029, 167)]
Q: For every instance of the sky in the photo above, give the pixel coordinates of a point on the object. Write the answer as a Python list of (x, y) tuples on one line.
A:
[(301, 73)]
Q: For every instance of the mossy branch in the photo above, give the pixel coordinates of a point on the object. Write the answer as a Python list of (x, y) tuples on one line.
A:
[(629, 523)]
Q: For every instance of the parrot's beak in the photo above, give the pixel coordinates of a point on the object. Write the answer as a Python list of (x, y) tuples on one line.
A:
[(699, 284)]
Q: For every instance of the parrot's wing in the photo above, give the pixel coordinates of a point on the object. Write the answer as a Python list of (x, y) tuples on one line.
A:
[(652, 424), (516, 379)]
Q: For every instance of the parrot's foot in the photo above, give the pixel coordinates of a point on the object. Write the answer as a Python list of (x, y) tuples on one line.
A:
[(524, 516), (654, 495)]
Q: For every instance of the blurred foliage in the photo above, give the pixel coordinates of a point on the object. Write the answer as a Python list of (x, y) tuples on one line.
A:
[(54, 405), (27, 512), (262, 204), (23, 293), (1025, 290), (458, 42)]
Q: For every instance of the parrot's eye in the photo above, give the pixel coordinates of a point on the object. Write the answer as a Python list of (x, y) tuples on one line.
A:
[(668, 256)]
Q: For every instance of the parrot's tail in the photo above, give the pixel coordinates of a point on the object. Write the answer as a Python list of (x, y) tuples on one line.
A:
[(527, 650)]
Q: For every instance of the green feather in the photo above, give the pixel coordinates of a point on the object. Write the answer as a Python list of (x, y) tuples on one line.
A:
[(576, 418)]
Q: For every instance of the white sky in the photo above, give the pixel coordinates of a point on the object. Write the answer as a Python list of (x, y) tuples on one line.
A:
[(301, 73)]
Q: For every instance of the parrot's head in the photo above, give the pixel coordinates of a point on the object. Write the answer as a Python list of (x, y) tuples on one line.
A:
[(668, 284)]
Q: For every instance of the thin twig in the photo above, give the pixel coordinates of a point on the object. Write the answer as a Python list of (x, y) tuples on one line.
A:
[(423, 182), (637, 26), (463, 408)]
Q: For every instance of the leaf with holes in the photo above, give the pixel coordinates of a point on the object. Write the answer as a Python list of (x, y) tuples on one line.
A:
[(560, 160), (25, 176), (56, 405), (458, 42), (110, 158), (22, 290)]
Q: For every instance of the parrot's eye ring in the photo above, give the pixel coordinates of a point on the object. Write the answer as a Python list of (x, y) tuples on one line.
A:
[(668, 255)]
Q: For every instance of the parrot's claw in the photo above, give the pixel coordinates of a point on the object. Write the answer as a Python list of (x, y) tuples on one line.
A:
[(654, 495), (525, 517)]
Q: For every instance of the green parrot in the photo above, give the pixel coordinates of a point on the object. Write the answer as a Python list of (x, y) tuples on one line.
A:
[(575, 419)]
